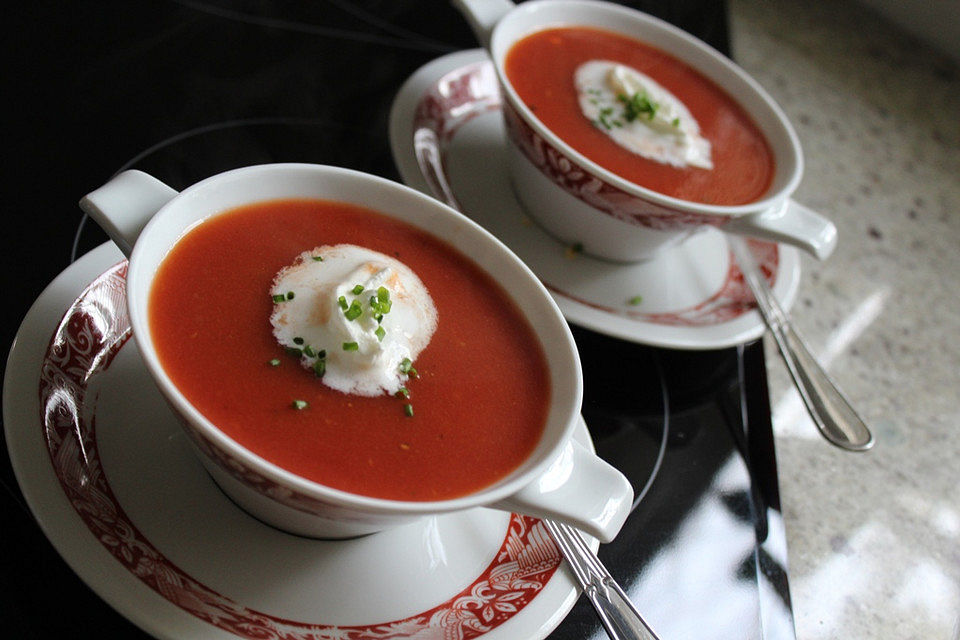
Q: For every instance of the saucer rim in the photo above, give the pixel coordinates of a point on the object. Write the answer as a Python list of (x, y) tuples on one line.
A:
[(78, 547), (744, 328)]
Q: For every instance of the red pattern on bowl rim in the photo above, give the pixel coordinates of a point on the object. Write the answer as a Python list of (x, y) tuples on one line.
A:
[(600, 194), (92, 332)]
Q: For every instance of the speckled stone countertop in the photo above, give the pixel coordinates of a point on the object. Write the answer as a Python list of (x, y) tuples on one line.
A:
[(874, 538)]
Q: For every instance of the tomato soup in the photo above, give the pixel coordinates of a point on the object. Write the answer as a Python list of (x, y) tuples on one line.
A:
[(542, 66), (479, 400)]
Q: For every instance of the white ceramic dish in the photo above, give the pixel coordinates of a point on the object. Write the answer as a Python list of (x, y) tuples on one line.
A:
[(557, 479), (575, 198), (448, 140), (109, 476)]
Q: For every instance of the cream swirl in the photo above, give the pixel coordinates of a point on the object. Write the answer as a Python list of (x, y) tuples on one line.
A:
[(361, 312), (640, 115)]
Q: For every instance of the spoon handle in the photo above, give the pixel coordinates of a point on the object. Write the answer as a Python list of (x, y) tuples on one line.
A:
[(832, 413), (617, 613)]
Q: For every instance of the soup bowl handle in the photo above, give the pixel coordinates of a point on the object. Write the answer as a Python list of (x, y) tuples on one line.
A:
[(791, 223), (580, 489), (483, 16), (124, 205)]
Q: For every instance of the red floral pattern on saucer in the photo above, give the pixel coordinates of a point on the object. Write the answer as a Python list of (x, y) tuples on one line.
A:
[(732, 300), (91, 333)]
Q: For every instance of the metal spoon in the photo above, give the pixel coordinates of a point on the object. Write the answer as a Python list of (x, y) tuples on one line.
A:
[(833, 414), (618, 615)]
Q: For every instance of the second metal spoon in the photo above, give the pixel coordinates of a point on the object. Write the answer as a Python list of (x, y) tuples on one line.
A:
[(833, 414)]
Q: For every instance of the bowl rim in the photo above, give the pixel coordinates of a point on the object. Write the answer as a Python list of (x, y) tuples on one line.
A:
[(568, 395)]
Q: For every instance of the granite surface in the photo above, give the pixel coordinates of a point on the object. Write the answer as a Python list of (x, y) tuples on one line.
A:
[(874, 538)]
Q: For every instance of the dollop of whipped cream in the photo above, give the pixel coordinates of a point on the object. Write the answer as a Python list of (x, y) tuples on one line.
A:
[(640, 115), (364, 314)]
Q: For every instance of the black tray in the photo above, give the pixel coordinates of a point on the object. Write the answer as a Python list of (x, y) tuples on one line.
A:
[(185, 90)]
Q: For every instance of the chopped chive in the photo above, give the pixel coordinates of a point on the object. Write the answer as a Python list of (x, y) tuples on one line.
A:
[(317, 258), (342, 301), (354, 311), (319, 367), (322, 353), (293, 351), (408, 410), (403, 392), (635, 300), (357, 290), (279, 297), (380, 303), (638, 104), (405, 365), (676, 123), (351, 346), (573, 250), (298, 340), (604, 117), (290, 295), (275, 362), (299, 404), (380, 333), (309, 352)]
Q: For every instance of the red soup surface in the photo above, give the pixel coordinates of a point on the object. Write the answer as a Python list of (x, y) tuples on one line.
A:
[(480, 401), (541, 68)]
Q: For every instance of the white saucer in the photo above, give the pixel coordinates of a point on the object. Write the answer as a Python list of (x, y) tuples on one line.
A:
[(109, 476), (447, 138)]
